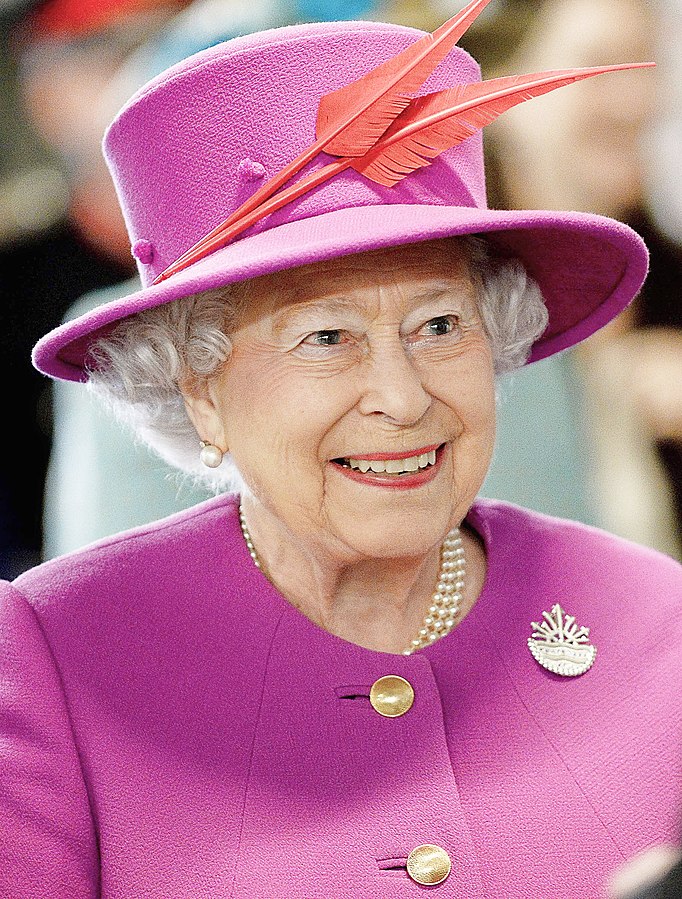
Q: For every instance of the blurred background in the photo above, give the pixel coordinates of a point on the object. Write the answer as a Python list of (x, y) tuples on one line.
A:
[(593, 434)]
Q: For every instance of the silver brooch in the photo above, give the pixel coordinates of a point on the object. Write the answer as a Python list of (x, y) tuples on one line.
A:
[(559, 645)]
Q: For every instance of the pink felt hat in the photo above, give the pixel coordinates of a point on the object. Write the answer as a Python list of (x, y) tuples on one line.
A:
[(195, 143)]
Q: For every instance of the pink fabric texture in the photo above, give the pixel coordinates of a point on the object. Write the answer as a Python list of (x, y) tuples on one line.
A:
[(171, 727), (179, 149)]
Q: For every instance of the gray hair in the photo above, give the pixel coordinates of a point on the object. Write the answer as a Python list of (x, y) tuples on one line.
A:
[(136, 369)]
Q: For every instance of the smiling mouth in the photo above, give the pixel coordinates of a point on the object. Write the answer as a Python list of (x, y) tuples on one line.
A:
[(392, 467)]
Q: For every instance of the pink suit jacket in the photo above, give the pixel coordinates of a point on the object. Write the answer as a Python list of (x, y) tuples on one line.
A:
[(171, 727)]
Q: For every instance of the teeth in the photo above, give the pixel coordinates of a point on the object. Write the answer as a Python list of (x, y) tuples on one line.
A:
[(394, 466)]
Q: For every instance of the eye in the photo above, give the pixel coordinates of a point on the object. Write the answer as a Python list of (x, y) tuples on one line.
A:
[(441, 326), (324, 338)]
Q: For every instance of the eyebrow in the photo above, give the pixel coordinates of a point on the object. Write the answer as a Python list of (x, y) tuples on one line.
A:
[(283, 317), (440, 289), (340, 303), (435, 291)]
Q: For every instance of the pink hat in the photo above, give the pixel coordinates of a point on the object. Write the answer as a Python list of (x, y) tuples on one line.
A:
[(195, 143)]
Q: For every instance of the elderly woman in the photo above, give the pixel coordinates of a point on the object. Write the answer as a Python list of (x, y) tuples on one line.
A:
[(352, 678)]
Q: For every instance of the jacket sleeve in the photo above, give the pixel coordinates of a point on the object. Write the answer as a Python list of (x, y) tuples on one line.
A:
[(48, 846)]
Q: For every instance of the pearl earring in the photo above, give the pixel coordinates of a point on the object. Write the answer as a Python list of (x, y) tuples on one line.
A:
[(210, 454)]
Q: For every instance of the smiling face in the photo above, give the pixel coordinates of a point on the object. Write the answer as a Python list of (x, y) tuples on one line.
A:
[(380, 358)]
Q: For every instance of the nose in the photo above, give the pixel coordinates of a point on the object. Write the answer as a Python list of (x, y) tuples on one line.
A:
[(392, 386)]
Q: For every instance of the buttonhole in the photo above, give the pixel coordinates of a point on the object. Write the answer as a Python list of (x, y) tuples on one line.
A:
[(394, 863), (353, 691)]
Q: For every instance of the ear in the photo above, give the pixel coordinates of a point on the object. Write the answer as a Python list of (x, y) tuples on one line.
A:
[(203, 410)]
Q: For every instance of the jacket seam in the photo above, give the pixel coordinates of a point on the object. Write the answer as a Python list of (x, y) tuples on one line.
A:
[(251, 753), (559, 754)]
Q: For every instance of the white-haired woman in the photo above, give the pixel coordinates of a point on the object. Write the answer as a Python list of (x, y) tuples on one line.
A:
[(352, 677)]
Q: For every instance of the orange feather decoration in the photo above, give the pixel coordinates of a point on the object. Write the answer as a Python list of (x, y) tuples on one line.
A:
[(428, 127), (350, 120), (439, 121)]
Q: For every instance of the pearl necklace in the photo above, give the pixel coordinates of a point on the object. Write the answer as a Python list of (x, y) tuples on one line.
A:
[(445, 600)]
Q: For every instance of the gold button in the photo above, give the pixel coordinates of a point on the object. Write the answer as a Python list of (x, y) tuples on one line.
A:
[(428, 864), (391, 696)]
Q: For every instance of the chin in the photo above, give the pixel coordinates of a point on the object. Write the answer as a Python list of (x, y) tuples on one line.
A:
[(393, 533)]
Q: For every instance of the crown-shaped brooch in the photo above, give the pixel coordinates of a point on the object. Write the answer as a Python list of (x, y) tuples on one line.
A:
[(560, 645)]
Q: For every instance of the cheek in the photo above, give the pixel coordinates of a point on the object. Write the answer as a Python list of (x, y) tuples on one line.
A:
[(465, 382), (279, 414), (482, 406), (479, 404)]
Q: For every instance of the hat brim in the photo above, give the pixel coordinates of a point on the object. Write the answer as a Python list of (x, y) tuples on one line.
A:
[(588, 267)]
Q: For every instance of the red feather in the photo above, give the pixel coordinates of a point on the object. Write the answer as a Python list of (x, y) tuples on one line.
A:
[(429, 126), (437, 122), (351, 119)]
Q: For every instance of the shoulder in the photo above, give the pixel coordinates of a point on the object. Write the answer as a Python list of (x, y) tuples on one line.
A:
[(535, 560), (171, 550), (156, 591), (539, 539)]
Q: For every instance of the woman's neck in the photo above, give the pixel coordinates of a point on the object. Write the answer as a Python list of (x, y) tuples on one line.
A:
[(379, 604)]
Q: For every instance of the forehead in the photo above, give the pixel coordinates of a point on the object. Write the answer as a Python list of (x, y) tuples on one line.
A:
[(413, 269)]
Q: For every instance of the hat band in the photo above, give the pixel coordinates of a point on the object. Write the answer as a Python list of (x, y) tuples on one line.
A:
[(346, 190)]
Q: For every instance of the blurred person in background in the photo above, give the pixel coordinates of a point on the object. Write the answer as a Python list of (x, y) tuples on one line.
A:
[(62, 233), (656, 345), (592, 150), (653, 874)]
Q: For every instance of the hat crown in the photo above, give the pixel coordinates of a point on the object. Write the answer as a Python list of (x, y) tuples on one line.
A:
[(191, 146)]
